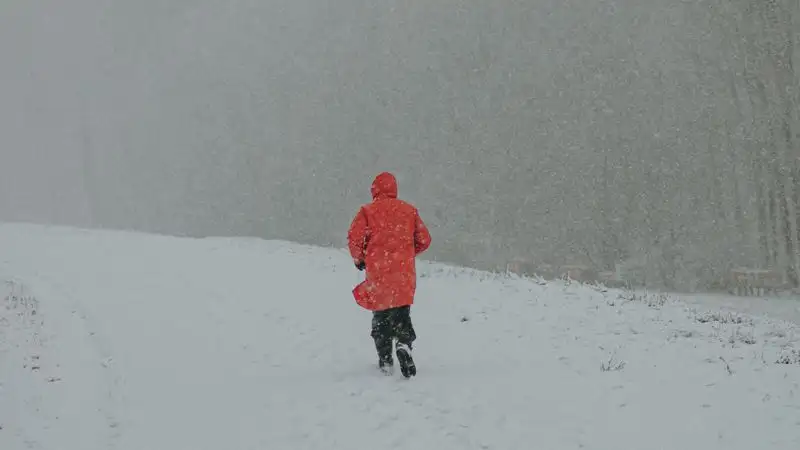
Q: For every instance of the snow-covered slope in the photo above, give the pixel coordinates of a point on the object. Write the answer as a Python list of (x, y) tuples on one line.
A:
[(126, 341)]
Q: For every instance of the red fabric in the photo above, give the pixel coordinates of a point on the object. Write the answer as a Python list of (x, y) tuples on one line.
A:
[(387, 235)]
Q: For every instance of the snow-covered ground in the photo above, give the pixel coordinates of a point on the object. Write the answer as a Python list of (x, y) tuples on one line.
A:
[(112, 340)]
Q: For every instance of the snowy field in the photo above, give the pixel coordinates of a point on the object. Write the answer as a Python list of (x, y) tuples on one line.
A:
[(135, 342)]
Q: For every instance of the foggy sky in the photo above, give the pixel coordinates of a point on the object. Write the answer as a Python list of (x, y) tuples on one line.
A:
[(516, 126)]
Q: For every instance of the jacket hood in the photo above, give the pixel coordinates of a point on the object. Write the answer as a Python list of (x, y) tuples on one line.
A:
[(384, 186)]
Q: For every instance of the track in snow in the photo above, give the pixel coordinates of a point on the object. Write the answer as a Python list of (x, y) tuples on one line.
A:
[(168, 343)]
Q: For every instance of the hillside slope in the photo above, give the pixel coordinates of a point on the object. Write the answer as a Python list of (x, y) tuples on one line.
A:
[(112, 340)]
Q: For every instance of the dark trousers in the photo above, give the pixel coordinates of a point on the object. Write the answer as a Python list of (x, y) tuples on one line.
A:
[(389, 324)]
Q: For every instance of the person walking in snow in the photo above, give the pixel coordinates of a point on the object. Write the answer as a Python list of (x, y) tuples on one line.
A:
[(384, 239)]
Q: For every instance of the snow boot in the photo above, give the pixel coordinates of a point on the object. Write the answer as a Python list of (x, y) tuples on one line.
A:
[(407, 367), (386, 366)]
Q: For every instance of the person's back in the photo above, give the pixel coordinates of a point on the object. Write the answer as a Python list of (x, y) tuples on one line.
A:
[(392, 237), (384, 238)]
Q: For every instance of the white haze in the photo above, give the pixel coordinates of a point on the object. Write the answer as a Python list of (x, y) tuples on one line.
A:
[(559, 130)]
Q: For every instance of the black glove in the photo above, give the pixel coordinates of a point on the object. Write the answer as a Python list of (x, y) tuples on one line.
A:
[(361, 265)]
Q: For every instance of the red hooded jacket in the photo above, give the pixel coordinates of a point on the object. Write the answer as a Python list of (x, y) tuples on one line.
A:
[(387, 235)]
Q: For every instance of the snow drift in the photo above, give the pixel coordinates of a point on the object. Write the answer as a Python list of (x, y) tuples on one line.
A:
[(112, 340)]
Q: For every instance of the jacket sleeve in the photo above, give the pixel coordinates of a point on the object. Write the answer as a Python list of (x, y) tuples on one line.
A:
[(422, 237), (357, 236)]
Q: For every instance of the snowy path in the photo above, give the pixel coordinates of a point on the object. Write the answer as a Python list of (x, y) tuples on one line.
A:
[(162, 343)]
